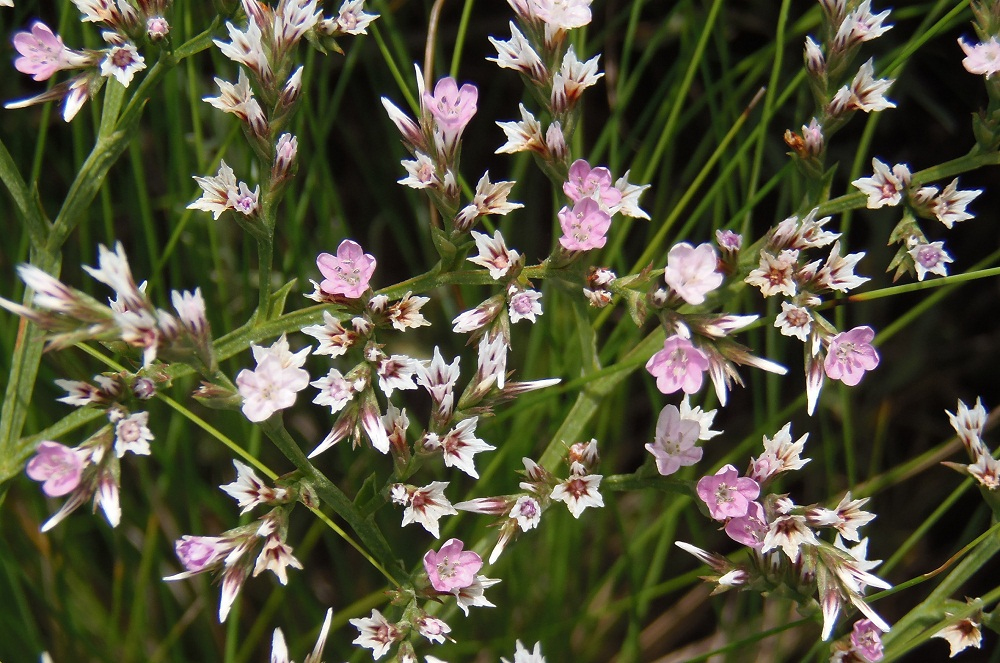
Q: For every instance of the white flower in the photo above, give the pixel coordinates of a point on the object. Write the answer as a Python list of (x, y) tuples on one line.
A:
[(493, 254), (930, 259), (885, 187), (426, 505), (459, 445), (522, 655), (524, 304), (579, 492), (377, 633), (122, 62), (132, 434), (249, 490)]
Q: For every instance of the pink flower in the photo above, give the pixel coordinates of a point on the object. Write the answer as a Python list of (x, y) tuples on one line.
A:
[(348, 272), (674, 445), (690, 271), (584, 227), (269, 388), (983, 59), (198, 553), (851, 354), (727, 494), (452, 107), (58, 466), (451, 567), (679, 365), (749, 529), (866, 639), (42, 52), (587, 182)]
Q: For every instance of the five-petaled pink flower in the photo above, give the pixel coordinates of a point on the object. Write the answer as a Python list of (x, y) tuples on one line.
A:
[(348, 272), (58, 466), (42, 52), (587, 182), (451, 567), (851, 354), (452, 107), (585, 226), (679, 365), (727, 494), (691, 273)]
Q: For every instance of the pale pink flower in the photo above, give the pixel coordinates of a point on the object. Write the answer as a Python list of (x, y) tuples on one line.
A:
[(727, 494), (983, 58), (122, 62), (930, 259), (729, 241), (157, 28), (885, 187), (691, 273), (200, 553), (579, 492), (132, 434), (269, 387), (451, 567), (377, 633), (58, 467), (525, 305), (432, 628), (348, 272), (674, 444), (866, 639), (749, 529), (678, 366), (451, 107), (586, 182), (42, 53), (352, 18), (584, 227), (850, 354)]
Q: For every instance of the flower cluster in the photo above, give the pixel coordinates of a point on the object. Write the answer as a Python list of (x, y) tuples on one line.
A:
[(785, 548), (254, 548)]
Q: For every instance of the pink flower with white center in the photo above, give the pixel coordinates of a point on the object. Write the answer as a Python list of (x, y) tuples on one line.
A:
[(200, 553), (587, 182), (691, 273), (850, 354), (132, 434), (451, 567), (579, 492), (459, 445), (678, 366), (727, 494), (493, 254), (886, 186), (930, 259), (450, 106), (424, 505), (584, 227), (377, 633), (983, 58), (523, 655), (122, 62), (749, 529), (249, 490), (775, 274), (949, 207), (866, 639), (42, 53), (58, 467), (527, 512), (348, 272), (525, 305), (674, 444)]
